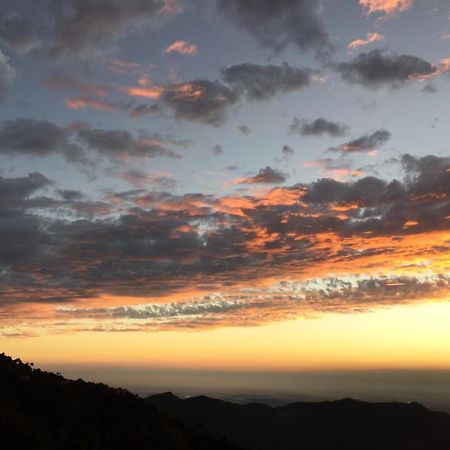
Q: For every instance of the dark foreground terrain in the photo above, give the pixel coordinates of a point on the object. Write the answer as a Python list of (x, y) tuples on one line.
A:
[(343, 424), (44, 411)]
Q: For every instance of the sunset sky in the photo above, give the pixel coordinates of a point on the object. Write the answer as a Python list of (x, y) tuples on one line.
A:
[(225, 185)]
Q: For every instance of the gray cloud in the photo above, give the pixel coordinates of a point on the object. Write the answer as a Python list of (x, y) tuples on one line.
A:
[(200, 101), (7, 75), (276, 24), (120, 144), (244, 129), (84, 24), (75, 27), (209, 102), (318, 127), (16, 192), (77, 143), (365, 143), (217, 150), (377, 69), (32, 137), (287, 151), (258, 82), (18, 31), (266, 175)]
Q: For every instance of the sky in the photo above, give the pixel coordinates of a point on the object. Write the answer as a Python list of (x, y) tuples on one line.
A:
[(226, 186)]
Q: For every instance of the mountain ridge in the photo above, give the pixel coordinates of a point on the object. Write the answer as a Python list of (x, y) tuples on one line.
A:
[(340, 424)]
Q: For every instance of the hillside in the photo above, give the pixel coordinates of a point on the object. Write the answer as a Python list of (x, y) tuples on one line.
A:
[(345, 424), (44, 411)]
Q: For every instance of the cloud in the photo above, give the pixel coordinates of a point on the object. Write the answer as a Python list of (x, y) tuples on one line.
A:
[(282, 301), (318, 127), (386, 7), (18, 32), (338, 170), (142, 179), (150, 244), (32, 137), (77, 27), (371, 38), (200, 101), (84, 25), (377, 69), (40, 138), (66, 82), (244, 129), (258, 82), (7, 75), (182, 47), (16, 192), (275, 25), (217, 150), (89, 102), (287, 151), (122, 145), (366, 143), (141, 110), (264, 176), (209, 102)]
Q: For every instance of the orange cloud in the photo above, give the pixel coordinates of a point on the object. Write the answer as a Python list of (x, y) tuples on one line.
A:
[(153, 92), (87, 102), (182, 47), (387, 7), (371, 37), (440, 69)]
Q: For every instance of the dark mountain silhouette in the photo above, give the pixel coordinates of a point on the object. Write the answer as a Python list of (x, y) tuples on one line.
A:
[(44, 411), (344, 424)]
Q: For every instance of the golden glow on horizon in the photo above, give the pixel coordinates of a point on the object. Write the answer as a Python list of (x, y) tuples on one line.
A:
[(413, 336)]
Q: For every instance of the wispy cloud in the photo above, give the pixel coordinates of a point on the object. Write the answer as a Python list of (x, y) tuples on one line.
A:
[(371, 38), (182, 47)]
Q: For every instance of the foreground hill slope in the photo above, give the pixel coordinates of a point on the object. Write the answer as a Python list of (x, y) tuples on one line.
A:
[(44, 411), (345, 424)]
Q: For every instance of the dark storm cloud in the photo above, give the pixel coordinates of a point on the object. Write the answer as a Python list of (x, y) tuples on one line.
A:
[(77, 143), (366, 143), (155, 242), (201, 101), (276, 24), (377, 69), (267, 175), (7, 75), (318, 127), (258, 82)]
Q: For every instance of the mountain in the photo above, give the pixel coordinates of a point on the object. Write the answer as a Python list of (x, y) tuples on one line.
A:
[(45, 411), (344, 424)]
